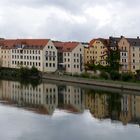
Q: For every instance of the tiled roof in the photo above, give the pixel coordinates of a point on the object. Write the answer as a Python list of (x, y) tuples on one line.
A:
[(58, 45), (28, 43), (65, 46), (113, 41), (7, 44), (69, 46), (134, 41), (103, 40), (91, 42)]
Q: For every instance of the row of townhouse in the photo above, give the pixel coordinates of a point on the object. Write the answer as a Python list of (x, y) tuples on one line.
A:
[(49, 56), (44, 54), (129, 52)]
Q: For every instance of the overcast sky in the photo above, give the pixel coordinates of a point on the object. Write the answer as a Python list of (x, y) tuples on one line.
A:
[(79, 20)]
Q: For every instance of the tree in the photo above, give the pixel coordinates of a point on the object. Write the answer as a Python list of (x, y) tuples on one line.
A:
[(113, 59)]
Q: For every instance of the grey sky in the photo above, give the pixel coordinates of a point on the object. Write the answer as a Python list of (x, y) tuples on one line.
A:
[(79, 20)]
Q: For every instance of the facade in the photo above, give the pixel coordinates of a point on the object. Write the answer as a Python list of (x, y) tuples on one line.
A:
[(129, 52), (125, 52), (135, 54), (5, 52), (71, 56), (96, 52)]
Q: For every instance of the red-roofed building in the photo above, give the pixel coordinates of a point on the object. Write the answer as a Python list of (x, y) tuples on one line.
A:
[(40, 53), (70, 56)]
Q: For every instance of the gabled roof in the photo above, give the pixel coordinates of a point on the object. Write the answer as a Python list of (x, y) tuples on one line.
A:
[(69, 46), (65, 46), (103, 40), (113, 41)]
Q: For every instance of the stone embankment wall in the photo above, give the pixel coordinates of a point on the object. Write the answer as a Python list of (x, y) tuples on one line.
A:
[(94, 82)]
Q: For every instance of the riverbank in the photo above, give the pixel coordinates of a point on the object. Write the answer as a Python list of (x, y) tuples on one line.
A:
[(94, 82)]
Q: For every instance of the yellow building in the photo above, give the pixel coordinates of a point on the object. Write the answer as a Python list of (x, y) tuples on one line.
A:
[(96, 52)]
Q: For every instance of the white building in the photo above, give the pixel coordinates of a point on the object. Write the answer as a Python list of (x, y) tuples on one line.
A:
[(40, 53), (72, 57)]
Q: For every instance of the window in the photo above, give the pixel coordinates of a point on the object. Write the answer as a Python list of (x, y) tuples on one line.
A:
[(133, 55), (53, 64), (68, 65), (53, 58), (46, 64), (50, 64)]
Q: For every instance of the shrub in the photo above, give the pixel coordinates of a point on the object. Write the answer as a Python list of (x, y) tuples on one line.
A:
[(76, 75), (104, 75), (34, 71), (114, 75), (127, 76), (85, 75)]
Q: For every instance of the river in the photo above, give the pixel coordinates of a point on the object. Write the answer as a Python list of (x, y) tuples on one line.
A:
[(63, 111)]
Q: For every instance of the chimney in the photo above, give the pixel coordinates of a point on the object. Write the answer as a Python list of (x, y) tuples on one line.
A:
[(138, 37)]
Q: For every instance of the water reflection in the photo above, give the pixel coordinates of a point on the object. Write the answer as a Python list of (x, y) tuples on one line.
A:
[(46, 97)]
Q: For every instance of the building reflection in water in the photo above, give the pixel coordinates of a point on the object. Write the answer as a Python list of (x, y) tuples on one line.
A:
[(45, 98)]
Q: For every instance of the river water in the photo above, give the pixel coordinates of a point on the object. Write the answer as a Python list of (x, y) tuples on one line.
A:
[(60, 111)]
